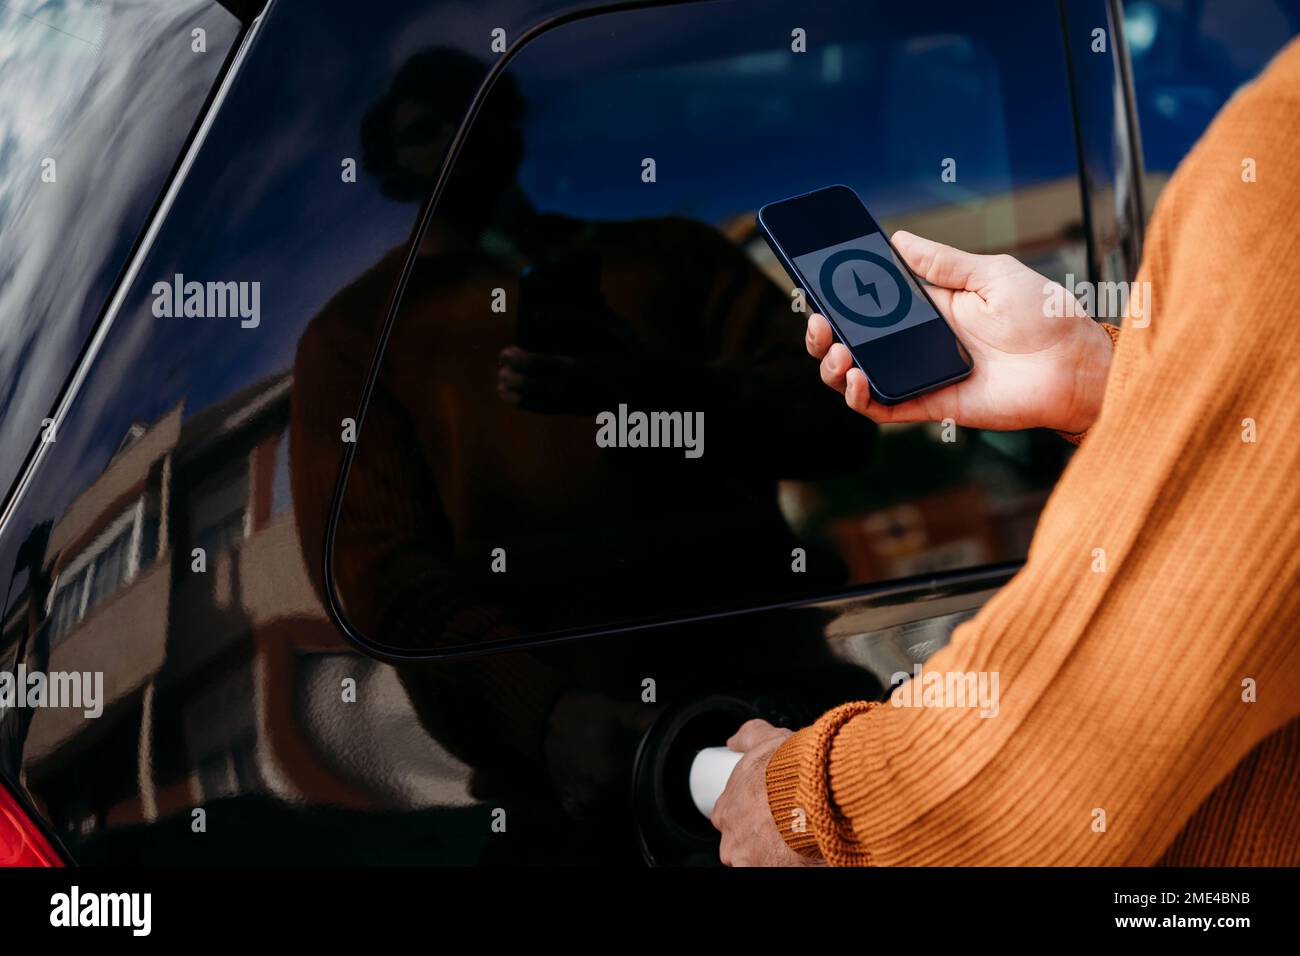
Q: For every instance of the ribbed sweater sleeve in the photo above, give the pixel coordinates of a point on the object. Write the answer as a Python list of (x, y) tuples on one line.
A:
[(1149, 643)]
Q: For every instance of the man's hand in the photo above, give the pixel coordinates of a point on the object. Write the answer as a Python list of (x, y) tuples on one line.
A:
[(1032, 369), (749, 834)]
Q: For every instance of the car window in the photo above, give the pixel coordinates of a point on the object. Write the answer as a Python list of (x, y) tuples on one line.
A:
[(1188, 59), (99, 97), (660, 444)]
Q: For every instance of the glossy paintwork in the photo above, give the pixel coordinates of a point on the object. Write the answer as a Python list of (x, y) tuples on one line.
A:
[(82, 161)]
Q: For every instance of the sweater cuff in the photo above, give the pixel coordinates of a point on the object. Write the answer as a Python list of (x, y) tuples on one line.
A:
[(798, 783), (783, 788)]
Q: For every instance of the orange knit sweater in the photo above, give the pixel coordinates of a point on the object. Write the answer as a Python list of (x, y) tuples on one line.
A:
[(1147, 653)]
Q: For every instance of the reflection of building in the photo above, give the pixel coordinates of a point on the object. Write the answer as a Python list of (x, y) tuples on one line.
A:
[(188, 643)]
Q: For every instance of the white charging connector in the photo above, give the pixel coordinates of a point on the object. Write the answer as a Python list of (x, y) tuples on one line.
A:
[(710, 771)]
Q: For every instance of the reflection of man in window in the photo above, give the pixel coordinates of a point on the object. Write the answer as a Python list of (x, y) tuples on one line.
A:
[(480, 434)]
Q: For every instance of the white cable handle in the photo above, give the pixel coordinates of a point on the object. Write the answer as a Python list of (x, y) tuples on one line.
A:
[(710, 771)]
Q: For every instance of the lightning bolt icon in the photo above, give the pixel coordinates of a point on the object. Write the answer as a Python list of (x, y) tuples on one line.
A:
[(867, 288)]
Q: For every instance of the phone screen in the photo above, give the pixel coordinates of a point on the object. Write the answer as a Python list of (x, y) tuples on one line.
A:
[(867, 291), (834, 249)]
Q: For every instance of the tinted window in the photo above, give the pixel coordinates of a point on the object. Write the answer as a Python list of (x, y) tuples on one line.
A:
[(99, 96), (600, 222), (1188, 58)]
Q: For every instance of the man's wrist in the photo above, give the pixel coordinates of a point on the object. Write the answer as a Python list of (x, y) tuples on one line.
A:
[(1091, 369)]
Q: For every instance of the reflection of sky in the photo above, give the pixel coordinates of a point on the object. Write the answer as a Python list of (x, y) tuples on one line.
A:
[(113, 117), (263, 202), (734, 118), (79, 19)]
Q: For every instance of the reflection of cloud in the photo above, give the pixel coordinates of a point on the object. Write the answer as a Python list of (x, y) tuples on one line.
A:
[(80, 19), (112, 116)]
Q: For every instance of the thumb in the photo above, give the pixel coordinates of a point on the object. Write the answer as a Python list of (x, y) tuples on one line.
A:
[(942, 265)]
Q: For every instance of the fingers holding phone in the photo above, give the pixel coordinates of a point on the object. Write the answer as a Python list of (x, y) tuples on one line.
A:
[(839, 371), (1032, 369), (836, 252)]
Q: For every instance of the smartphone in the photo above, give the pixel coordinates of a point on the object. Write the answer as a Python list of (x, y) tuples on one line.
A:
[(832, 247)]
